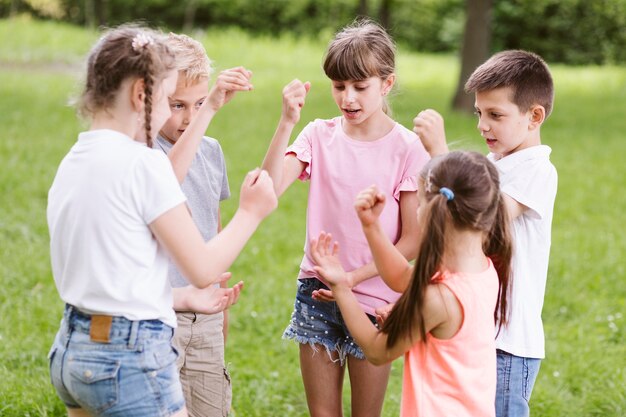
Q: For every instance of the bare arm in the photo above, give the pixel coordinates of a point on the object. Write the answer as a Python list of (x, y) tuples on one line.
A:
[(391, 261), (371, 340), (227, 84), (513, 207), (176, 231), (284, 169)]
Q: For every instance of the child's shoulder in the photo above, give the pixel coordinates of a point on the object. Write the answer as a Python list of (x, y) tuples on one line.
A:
[(535, 159)]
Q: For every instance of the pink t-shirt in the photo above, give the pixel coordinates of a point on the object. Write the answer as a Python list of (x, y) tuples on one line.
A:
[(457, 376), (340, 167)]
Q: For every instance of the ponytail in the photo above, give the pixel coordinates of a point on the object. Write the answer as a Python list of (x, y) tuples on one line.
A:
[(499, 247), (407, 313)]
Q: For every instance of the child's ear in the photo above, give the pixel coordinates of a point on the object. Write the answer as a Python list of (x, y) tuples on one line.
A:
[(388, 83), (537, 116), (138, 94)]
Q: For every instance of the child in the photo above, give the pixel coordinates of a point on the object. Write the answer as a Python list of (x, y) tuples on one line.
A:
[(114, 209), (199, 338), (340, 157), (444, 321), (514, 95)]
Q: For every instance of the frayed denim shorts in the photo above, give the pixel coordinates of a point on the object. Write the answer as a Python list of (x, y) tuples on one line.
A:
[(320, 323), (132, 374)]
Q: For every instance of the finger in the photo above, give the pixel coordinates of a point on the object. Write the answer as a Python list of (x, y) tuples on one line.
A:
[(251, 177), (325, 295), (224, 277), (335, 248)]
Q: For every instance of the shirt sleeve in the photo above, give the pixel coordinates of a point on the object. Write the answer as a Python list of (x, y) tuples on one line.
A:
[(154, 185), (302, 149), (225, 192), (534, 186), (417, 157)]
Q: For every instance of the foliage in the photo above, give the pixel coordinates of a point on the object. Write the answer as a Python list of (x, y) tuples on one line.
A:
[(572, 31), (584, 373), (569, 31)]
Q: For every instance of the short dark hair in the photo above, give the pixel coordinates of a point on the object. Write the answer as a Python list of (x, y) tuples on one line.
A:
[(526, 72)]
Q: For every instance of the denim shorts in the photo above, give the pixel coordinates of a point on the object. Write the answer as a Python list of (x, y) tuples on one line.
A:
[(320, 323), (132, 374)]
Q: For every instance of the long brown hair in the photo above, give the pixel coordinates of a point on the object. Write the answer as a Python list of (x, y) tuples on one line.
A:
[(477, 205), (124, 52)]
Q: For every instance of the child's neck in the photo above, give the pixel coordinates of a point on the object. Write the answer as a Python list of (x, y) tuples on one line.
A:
[(464, 252), (121, 117), (374, 127)]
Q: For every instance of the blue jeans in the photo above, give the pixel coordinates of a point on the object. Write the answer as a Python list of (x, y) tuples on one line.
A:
[(320, 322), (516, 378), (134, 373)]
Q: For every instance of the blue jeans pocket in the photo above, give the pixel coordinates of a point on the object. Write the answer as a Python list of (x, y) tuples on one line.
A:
[(95, 382)]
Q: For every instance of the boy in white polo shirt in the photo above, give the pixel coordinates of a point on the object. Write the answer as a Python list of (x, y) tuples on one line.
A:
[(514, 94)]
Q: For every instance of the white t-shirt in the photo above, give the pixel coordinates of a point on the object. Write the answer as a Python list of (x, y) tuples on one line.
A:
[(528, 177), (105, 260)]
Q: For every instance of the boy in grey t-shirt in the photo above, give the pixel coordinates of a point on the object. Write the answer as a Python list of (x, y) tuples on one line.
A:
[(199, 165)]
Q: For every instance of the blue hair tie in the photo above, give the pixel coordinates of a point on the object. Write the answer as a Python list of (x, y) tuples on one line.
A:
[(446, 192)]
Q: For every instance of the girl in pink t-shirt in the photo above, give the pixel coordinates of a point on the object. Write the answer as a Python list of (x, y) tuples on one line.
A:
[(444, 323), (340, 157)]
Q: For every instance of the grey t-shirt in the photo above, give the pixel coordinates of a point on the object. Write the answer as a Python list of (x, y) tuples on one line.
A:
[(205, 185)]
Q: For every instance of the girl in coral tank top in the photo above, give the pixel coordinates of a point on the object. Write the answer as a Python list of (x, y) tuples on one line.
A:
[(444, 323)]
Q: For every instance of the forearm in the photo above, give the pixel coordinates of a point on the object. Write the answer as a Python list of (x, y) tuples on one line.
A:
[(273, 162), (180, 296), (391, 261), (369, 339), (184, 151)]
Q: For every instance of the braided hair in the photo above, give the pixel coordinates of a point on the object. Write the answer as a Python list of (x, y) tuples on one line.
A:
[(125, 52)]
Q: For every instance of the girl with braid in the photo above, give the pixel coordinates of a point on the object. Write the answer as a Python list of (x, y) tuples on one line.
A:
[(115, 211), (444, 322)]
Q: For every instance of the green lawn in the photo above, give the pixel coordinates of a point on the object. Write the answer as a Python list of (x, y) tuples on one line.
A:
[(584, 373)]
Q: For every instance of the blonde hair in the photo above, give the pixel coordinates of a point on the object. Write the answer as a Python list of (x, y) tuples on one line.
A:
[(191, 58)]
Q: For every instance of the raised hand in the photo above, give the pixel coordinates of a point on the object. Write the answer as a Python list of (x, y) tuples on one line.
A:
[(369, 204), (325, 254), (429, 126), (257, 194), (228, 82), (294, 95)]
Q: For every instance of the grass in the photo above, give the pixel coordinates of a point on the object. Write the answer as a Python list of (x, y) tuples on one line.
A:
[(584, 373)]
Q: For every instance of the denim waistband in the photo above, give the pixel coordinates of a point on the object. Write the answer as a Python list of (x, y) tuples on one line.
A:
[(122, 330)]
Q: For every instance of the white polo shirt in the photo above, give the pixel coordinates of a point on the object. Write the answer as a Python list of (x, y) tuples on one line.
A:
[(528, 177), (105, 260)]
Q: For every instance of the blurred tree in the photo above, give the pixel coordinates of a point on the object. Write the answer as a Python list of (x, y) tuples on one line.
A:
[(190, 15), (384, 13), (362, 8), (475, 49)]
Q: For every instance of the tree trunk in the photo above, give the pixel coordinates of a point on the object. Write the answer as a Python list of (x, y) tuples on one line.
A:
[(190, 15), (362, 9), (100, 10), (384, 13), (14, 8), (475, 50), (90, 19)]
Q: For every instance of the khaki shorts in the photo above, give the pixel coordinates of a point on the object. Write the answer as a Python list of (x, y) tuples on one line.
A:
[(206, 383)]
